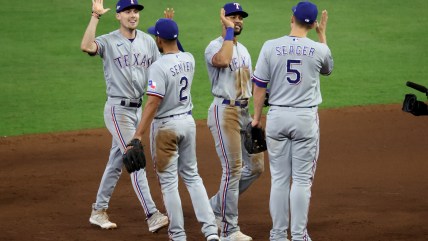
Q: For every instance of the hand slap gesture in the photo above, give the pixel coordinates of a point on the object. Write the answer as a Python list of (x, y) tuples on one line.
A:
[(226, 22), (322, 26), (97, 7), (169, 13)]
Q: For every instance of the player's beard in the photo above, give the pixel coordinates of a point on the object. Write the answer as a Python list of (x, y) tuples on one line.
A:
[(237, 32)]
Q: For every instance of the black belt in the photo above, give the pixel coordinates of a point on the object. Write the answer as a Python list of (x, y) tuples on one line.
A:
[(129, 103), (169, 116), (240, 103), (295, 106)]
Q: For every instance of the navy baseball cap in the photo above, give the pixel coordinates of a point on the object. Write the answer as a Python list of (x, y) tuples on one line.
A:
[(165, 28), (305, 12), (234, 8), (122, 5)]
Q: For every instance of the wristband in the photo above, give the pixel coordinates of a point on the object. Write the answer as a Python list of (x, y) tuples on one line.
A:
[(230, 33), (95, 14)]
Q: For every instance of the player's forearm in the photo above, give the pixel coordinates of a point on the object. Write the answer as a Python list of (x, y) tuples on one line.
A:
[(322, 38), (147, 117), (258, 99), (223, 57), (322, 27), (88, 45)]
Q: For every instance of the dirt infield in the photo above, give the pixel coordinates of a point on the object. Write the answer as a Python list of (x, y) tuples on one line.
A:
[(371, 183)]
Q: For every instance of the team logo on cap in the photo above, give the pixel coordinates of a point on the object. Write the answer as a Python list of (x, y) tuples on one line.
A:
[(237, 5)]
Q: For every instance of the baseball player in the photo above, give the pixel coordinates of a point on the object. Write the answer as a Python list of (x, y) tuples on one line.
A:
[(291, 65), (173, 131), (229, 70), (127, 54)]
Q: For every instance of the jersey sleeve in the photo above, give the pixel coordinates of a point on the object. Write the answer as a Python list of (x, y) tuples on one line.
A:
[(156, 83), (261, 75), (327, 64), (211, 50), (101, 42)]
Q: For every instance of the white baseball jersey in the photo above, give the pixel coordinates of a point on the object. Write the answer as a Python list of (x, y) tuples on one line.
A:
[(171, 80), (126, 63), (231, 82), (287, 64)]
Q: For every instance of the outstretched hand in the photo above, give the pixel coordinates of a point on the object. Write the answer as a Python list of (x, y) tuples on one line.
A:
[(169, 13), (226, 22), (97, 7), (322, 25)]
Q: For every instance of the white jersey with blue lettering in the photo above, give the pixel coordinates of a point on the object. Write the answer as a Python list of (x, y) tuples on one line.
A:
[(233, 82), (171, 79), (126, 63), (291, 66)]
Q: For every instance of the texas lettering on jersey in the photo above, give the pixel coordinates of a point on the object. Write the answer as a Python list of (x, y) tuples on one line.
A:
[(137, 59), (237, 63)]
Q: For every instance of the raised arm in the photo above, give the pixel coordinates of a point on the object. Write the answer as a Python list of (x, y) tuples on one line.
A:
[(322, 27), (88, 41), (223, 57)]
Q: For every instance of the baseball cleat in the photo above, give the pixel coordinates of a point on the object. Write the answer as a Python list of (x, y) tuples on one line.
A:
[(213, 237), (157, 221), (237, 236), (100, 218)]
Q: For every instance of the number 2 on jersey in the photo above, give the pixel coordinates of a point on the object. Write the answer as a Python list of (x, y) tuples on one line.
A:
[(183, 82), (291, 70)]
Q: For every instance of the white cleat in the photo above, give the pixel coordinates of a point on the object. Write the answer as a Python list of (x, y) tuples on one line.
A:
[(100, 218), (237, 236), (157, 221), (213, 237)]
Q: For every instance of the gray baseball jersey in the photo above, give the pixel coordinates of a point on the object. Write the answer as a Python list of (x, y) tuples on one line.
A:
[(226, 118), (173, 142), (171, 80), (292, 66), (289, 61), (126, 63), (232, 82), (126, 66)]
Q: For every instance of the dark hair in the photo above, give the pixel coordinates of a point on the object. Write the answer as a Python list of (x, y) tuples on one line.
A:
[(303, 24)]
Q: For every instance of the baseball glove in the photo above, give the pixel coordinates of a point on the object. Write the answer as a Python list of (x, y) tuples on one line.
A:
[(254, 139), (134, 158), (412, 105)]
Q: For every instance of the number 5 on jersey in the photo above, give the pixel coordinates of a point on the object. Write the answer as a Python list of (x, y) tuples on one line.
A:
[(291, 71)]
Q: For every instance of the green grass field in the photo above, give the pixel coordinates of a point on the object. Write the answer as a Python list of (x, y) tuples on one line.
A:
[(48, 85)]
